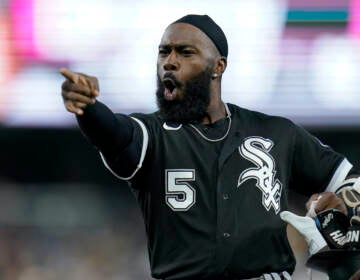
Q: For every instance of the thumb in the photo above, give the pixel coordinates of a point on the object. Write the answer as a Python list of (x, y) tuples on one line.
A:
[(307, 228), (298, 222)]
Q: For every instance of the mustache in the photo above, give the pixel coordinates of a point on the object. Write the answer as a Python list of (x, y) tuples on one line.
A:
[(171, 76)]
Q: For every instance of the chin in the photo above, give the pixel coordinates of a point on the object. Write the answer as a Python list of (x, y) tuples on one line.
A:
[(190, 104)]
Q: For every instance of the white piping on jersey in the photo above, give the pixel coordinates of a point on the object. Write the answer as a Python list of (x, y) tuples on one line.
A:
[(167, 127), (339, 175), (267, 277), (274, 276), (356, 185), (349, 183), (143, 152), (286, 275), (228, 115)]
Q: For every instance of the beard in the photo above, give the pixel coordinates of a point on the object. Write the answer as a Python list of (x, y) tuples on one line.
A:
[(192, 106)]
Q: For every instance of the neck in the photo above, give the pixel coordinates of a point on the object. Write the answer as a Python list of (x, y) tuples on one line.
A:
[(216, 110), (215, 113)]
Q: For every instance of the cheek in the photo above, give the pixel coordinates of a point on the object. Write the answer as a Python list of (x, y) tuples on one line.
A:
[(189, 71), (158, 66)]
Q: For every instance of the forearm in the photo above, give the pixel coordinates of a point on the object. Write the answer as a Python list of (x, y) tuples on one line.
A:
[(109, 133), (117, 137)]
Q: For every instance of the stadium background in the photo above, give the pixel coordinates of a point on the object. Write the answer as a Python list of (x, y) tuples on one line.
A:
[(62, 215)]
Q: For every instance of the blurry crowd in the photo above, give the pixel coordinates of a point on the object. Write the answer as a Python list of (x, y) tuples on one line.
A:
[(32, 253), (67, 238)]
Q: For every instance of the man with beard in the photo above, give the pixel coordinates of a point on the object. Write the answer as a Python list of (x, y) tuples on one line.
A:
[(211, 178)]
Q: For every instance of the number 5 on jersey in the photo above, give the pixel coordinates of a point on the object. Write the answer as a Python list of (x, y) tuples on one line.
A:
[(180, 195)]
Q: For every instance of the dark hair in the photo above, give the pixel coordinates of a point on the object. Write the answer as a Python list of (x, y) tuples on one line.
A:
[(210, 28)]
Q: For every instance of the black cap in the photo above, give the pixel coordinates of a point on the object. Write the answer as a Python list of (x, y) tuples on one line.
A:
[(210, 28)]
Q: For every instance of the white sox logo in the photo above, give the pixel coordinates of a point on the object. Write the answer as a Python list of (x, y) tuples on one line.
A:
[(256, 150)]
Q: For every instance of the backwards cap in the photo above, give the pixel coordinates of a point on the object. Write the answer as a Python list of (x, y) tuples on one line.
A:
[(210, 28)]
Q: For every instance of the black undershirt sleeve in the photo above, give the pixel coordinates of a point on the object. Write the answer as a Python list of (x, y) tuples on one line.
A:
[(117, 137)]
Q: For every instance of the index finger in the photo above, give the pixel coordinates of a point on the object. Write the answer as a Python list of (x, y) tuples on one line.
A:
[(70, 75)]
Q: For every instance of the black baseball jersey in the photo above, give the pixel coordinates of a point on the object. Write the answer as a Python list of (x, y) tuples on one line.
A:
[(211, 208)]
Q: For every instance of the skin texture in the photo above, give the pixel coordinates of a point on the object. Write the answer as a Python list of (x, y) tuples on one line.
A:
[(78, 91), (185, 51)]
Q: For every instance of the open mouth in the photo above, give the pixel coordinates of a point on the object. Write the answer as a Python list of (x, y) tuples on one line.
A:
[(170, 89), (169, 84)]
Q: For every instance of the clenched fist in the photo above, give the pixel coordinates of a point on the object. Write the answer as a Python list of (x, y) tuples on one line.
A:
[(78, 91)]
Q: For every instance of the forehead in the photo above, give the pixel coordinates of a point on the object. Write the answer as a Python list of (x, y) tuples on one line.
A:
[(183, 33)]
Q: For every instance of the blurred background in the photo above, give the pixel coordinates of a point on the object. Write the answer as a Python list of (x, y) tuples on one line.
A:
[(62, 215)]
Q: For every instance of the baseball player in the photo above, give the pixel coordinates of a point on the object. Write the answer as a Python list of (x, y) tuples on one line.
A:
[(210, 177)]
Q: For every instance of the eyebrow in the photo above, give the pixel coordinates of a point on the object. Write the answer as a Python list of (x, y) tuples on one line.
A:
[(176, 46)]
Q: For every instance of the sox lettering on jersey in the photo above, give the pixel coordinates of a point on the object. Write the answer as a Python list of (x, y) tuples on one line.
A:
[(256, 150)]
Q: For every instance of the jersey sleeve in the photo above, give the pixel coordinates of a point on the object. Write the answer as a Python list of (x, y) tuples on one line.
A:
[(127, 162), (316, 167), (121, 140)]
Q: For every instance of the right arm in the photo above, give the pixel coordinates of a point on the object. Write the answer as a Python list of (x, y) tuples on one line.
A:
[(117, 137)]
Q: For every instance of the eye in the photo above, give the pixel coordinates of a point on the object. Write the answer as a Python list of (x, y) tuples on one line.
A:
[(187, 52), (163, 52)]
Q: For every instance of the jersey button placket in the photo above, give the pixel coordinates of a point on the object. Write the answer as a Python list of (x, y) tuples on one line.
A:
[(226, 235)]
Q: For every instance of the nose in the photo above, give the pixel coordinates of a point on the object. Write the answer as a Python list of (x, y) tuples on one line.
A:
[(171, 62)]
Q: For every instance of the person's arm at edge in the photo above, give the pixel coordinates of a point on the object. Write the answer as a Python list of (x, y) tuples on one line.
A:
[(106, 131), (117, 137)]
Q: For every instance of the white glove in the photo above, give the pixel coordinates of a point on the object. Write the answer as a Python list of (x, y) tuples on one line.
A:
[(307, 228)]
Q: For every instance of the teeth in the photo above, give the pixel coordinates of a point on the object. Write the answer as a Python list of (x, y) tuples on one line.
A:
[(169, 84)]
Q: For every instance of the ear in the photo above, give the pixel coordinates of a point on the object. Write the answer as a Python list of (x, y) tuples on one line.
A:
[(220, 66)]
